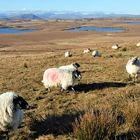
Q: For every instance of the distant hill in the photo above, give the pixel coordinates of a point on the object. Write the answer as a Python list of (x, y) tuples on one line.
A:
[(3, 16), (25, 17), (38, 15)]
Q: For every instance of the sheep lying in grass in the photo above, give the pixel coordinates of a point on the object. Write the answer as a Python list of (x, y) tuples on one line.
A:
[(11, 113), (54, 77), (96, 53), (71, 67), (133, 68), (68, 54), (138, 44), (87, 50), (115, 47)]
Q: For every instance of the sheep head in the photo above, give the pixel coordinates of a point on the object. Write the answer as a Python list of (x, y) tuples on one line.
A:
[(20, 103), (77, 74)]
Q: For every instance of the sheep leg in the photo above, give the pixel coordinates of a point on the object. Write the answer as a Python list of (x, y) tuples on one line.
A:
[(48, 89), (73, 89), (129, 77), (62, 89), (7, 135), (135, 78)]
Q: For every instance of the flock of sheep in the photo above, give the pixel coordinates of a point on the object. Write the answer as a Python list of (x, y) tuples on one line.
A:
[(95, 53), (12, 105)]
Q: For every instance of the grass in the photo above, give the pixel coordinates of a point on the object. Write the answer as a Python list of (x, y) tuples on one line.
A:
[(104, 106), (108, 122)]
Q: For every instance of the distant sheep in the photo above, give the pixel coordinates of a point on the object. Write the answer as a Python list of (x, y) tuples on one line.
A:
[(115, 46), (133, 68), (54, 77), (68, 54), (11, 113), (138, 44), (96, 53), (71, 67), (87, 50)]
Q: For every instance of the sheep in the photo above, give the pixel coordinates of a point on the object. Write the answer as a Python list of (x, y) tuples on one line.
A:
[(96, 53), (87, 50), (72, 67), (138, 44), (133, 67), (68, 54), (115, 46), (11, 114), (54, 77)]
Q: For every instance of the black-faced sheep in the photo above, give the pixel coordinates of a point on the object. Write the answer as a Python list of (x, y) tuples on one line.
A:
[(115, 47), (87, 50), (54, 77), (11, 114), (68, 54), (96, 53)]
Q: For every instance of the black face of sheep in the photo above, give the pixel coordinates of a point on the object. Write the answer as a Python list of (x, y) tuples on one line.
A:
[(134, 60), (19, 101), (77, 74), (76, 65)]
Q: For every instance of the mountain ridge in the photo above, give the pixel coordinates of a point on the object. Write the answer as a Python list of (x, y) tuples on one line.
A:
[(39, 15)]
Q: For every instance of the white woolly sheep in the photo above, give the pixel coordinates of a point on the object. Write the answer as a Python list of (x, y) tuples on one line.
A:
[(138, 44), (11, 113), (115, 46), (87, 50), (133, 67), (71, 67), (68, 54), (96, 53), (54, 77)]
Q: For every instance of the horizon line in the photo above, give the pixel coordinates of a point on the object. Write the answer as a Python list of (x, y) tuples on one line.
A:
[(70, 11)]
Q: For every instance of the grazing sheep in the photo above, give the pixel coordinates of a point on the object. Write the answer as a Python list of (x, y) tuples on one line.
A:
[(11, 113), (87, 50), (133, 67), (115, 46), (54, 77), (71, 67), (68, 54), (96, 53), (138, 44)]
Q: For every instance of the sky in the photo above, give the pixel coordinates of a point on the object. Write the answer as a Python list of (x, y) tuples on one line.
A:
[(106, 6)]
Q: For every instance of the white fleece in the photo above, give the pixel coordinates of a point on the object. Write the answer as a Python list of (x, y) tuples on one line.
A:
[(54, 77), (9, 119)]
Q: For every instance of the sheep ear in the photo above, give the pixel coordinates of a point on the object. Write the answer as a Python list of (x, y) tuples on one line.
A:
[(76, 65)]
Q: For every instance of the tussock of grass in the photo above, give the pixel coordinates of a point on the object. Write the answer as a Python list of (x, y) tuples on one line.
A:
[(98, 121), (95, 125)]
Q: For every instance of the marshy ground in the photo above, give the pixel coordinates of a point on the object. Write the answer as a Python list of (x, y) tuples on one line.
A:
[(104, 87)]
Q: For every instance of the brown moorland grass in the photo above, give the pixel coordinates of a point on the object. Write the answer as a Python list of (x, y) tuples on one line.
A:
[(105, 103)]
